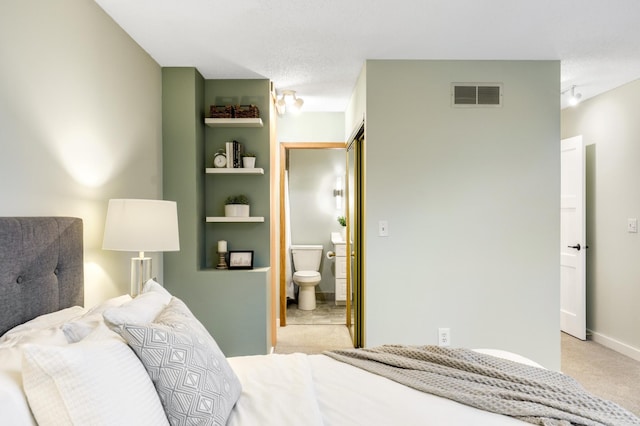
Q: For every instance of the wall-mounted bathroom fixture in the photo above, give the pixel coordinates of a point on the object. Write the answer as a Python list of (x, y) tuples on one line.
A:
[(289, 101), (575, 97), (339, 193)]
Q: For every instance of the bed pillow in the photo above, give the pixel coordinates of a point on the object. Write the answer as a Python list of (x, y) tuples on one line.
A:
[(14, 409), (142, 309), (54, 319), (80, 328), (95, 381), (195, 382), (153, 285)]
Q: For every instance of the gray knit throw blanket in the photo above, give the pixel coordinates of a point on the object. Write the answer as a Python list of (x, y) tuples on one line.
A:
[(530, 394)]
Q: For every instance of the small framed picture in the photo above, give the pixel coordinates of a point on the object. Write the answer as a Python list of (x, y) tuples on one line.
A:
[(242, 259)]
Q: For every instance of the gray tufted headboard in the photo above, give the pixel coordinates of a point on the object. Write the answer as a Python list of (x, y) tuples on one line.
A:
[(41, 267)]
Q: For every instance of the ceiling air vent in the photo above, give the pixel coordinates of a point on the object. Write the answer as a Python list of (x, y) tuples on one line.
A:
[(476, 94)]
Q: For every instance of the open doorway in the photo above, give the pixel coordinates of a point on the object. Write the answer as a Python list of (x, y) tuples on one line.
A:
[(327, 210)]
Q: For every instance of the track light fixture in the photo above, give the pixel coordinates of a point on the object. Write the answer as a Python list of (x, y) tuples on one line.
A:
[(575, 97), (289, 101)]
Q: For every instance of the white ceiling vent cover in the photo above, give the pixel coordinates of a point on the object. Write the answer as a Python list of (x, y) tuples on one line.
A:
[(476, 94)]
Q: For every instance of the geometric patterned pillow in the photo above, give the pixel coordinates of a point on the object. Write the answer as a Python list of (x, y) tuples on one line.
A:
[(193, 379), (178, 316)]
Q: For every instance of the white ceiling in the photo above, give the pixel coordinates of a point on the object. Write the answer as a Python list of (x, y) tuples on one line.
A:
[(318, 47)]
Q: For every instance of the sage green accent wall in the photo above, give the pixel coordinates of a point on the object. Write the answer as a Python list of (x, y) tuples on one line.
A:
[(80, 123), (611, 130), (233, 305), (471, 196)]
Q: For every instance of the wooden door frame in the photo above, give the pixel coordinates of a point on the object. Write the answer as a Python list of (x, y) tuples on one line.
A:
[(284, 147)]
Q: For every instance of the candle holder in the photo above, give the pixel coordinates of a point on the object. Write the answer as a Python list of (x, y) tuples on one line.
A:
[(222, 262)]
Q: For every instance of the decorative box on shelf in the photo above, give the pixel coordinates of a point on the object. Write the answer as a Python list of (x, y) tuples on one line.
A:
[(234, 111), (246, 111), (221, 111)]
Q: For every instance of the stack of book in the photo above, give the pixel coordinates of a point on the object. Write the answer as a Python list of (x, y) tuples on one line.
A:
[(234, 150)]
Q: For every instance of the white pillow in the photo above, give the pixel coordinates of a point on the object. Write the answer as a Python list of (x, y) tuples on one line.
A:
[(13, 403), (141, 310), (54, 319), (109, 303), (152, 285), (14, 409), (78, 329), (98, 380)]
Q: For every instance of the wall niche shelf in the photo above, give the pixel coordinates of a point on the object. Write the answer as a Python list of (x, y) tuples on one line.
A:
[(234, 171), (225, 219), (233, 122)]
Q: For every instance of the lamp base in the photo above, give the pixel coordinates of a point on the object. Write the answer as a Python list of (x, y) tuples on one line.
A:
[(222, 262), (140, 273)]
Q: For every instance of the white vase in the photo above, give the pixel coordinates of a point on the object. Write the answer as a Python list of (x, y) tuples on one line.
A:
[(236, 210), (249, 162)]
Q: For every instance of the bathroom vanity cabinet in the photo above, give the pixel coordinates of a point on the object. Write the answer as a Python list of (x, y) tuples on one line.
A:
[(340, 250)]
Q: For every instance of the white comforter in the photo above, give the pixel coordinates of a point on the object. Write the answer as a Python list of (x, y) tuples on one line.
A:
[(281, 390), (317, 390)]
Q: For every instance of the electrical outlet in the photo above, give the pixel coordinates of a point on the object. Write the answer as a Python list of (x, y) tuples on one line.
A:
[(444, 337)]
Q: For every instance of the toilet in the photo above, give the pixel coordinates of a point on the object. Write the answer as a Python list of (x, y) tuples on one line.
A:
[(306, 263)]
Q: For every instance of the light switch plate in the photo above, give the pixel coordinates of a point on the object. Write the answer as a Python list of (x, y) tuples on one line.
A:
[(632, 225), (383, 228)]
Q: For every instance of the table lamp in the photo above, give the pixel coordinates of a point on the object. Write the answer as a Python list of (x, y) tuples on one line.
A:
[(141, 225)]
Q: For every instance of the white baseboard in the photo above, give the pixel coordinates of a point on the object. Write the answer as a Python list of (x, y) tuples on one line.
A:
[(615, 345)]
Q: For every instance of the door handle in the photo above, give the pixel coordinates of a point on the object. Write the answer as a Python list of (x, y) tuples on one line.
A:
[(578, 247)]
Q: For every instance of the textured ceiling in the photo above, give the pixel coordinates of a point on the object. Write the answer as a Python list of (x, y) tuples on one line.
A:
[(318, 47)]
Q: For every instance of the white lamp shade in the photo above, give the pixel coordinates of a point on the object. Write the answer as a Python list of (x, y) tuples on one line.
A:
[(141, 225)]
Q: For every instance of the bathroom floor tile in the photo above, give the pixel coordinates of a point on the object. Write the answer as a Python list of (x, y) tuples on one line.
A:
[(325, 313)]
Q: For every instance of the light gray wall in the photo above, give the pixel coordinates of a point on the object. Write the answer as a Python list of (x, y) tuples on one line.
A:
[(80, 123), (471, 196), (611, 131), (312, 179), (311, 127)]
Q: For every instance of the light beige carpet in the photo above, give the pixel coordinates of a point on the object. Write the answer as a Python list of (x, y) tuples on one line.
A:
[(602, 371), (312, 339)]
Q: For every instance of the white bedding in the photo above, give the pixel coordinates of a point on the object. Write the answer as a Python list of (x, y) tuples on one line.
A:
[(14, 409), (276, 389), (283, 390), (318, 390)]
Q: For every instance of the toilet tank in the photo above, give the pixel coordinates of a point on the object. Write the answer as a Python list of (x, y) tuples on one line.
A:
[(306, 257)]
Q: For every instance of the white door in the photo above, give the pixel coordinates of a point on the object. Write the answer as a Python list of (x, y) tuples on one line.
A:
[(573, 310)]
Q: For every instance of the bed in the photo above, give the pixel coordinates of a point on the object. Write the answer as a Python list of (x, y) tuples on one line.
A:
[(149, 361)]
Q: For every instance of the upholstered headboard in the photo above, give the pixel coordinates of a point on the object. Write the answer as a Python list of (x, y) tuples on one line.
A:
[(41, 267)]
